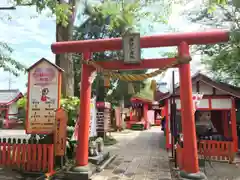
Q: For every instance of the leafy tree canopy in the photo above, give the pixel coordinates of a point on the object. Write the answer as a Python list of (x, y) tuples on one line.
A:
[(107, 20), (113, 9), (98, 26), (61, 10), (222, 59), (7, 63), (235, 3)]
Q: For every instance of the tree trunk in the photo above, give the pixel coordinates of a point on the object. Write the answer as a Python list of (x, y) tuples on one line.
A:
[(65, 61)]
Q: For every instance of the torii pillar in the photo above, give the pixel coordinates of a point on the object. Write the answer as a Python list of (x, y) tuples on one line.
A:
[(182, 40), (188, 120)]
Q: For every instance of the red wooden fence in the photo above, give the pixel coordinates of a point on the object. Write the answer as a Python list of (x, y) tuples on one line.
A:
[(211, 150), (216, 150), (27, 157)]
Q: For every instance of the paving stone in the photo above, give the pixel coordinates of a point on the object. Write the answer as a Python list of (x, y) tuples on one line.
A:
[(141, 171), (114, 178), (159, 176), (100, 177), (139, 158), (139, 177), (106, 173)]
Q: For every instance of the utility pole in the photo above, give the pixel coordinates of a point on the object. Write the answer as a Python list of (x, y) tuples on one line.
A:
[(3, 9), (9, 81)]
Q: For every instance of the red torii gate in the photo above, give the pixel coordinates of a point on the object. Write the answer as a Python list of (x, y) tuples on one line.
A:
[(182, 40)]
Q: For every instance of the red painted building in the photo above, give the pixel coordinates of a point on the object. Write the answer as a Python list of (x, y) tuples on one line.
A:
[(141, 105), (8, 107), (218, 102)]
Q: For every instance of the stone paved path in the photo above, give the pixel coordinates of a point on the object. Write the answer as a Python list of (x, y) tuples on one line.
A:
[(143, 157), (222, 171)]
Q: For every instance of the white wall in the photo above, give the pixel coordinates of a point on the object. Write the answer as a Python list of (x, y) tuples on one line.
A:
[(13, 109), (204, 103), (204, 88)]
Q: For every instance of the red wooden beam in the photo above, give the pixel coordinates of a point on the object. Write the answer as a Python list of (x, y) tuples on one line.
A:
[(162, 40), (145, 64)]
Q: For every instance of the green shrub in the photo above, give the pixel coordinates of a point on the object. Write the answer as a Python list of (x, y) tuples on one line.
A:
[(70, 104), (22, 102), (70, 131)]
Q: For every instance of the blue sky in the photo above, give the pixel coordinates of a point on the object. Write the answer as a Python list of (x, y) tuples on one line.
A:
[(31, 37)]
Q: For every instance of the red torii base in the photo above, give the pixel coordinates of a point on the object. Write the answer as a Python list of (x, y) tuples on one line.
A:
[(182, 40)]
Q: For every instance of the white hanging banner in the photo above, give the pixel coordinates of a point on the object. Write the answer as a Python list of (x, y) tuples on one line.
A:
[(92, 77), (92, 123), (93, 118), (196, 100)]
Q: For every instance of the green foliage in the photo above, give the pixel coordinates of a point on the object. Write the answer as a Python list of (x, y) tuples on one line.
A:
[(70, 104), (105, 22), (62, 10), (223, 59), (22, 102), (70, 131), (121, 12), (126, 14), (213, 4), (7, 63)]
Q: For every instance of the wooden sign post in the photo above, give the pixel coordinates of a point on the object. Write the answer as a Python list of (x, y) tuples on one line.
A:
[(43, 97), (60, 132)]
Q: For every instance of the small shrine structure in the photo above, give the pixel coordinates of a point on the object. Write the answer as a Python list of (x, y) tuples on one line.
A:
[(9, 107), (218, 104), (140, 105)]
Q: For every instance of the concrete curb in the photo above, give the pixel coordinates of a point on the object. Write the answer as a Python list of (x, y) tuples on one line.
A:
[(108, 161)]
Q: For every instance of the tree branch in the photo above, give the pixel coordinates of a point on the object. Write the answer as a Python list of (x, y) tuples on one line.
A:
[(8, 8)]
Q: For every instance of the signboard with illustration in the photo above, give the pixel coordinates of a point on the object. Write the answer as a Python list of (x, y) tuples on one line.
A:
[(43, 97)]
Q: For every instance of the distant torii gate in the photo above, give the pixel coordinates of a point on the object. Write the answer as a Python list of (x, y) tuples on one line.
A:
[(182, 41)]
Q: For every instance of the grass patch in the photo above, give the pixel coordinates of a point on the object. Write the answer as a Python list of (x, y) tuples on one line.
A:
[(109, 141)]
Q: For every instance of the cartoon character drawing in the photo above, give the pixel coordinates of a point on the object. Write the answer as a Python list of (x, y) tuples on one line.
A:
[(44, 96)]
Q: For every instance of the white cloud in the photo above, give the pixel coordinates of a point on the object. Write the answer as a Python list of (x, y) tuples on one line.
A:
[(180, 23), (31, 38), (30, 35)]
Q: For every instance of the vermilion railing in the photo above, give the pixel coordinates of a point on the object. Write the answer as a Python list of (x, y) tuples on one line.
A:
[(216, 150), (210, 150), (21, 155)]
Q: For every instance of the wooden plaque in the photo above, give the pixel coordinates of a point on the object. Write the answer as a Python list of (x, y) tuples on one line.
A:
[(60, 133)]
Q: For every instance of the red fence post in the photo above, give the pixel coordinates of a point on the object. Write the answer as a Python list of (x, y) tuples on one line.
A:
[(50, 159), (234, 125)]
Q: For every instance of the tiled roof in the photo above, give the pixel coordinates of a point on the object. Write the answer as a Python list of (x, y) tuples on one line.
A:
[(228, 89), (41, 60), (9, 96), (159, 95)]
